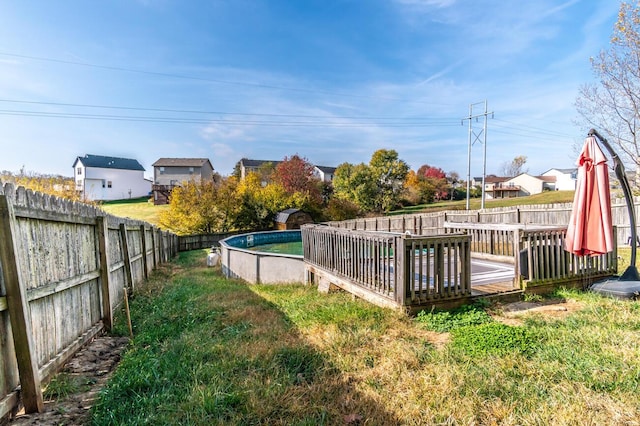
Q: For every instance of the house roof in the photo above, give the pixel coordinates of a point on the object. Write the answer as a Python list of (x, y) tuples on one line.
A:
[(257, 163), (495, 179), (181, 162), (103, 162), (565, 171), (325, 169)]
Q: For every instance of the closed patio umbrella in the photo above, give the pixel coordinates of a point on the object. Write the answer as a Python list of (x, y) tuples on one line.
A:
[(590, 231)]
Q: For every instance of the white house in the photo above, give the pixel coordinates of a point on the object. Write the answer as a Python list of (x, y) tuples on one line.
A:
[(565, 178), (324, 173), (110, 178), (519, 186)]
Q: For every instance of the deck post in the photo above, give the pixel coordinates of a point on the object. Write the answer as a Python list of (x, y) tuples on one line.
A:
[(400, 251), (517, 247)]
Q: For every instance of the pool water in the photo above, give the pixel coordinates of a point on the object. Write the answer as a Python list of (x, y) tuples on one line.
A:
[(292, 247)]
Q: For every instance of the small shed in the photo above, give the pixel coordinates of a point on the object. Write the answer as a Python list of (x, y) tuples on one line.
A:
[(292, 219)]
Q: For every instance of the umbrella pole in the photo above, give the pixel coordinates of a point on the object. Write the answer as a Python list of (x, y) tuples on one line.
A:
[(631, 273)]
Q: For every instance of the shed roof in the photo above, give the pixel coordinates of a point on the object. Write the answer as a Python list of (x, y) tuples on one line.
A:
[(181, 162), (103, 162), (282, 216)]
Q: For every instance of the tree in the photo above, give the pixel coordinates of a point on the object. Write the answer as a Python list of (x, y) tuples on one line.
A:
[(435, 186), (515, 167), (389, 173), (201, 207), (612, 105), (453, 178), (295, 174), (355, 184)]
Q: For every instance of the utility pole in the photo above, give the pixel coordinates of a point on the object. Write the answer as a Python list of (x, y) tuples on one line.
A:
[(473, 137)]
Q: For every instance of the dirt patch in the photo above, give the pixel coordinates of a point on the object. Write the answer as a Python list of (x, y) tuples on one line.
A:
[(512, 313), (90, 367)]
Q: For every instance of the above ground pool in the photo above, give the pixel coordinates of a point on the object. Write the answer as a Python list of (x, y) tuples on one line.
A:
[(264, 257)]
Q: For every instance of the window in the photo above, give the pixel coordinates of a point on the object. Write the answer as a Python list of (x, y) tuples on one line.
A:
[(79, 171), (104, 183), (161, 170), (190, 170), (108, 184)]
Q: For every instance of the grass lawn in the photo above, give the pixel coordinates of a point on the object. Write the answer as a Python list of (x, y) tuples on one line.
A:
[(212, 351), (136, 208)]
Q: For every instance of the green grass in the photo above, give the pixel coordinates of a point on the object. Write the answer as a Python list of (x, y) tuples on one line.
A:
[(547, 197), (212, 351), (136, 208), (64, 384)]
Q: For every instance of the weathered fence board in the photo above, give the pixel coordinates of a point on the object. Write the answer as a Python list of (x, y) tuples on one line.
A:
[(63, 271)]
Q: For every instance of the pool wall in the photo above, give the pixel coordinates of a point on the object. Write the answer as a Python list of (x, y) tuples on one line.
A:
[(258, 267)]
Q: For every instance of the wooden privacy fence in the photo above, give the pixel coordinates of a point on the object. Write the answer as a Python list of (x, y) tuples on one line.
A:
[(205, 241), (65, 267), (389, 269)]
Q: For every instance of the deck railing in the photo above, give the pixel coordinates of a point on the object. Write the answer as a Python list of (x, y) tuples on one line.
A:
[(406, 270), (537, 252), (490, 239), (543, 259)]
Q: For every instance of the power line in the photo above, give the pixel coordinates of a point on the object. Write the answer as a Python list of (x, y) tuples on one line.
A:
[(108, 117), (189, 111), (212, 80)]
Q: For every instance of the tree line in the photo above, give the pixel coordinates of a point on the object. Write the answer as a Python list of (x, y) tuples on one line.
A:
[(231, 203)]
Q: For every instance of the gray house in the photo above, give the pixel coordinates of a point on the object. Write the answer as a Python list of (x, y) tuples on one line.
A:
[(171, 172)]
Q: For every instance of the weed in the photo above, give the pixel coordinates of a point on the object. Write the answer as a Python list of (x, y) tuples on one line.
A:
[(62, 385), (444, 321), (533, 298), (494, 339)]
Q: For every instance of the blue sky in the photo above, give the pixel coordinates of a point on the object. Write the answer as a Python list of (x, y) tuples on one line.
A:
[(329, 80)]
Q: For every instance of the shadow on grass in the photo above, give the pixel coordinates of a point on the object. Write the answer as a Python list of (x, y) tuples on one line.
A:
[(211, 351)]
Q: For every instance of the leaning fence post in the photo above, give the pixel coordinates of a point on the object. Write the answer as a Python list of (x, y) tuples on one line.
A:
[(145, 264), (127, 257), (103, 248), (19, 313)]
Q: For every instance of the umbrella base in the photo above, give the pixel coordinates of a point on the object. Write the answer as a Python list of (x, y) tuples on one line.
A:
[(625, 287)]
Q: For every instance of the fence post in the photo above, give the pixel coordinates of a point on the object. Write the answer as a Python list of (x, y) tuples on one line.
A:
[(103, 248), (516, 255), (19, 313), (145, 264), (128, 281)]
